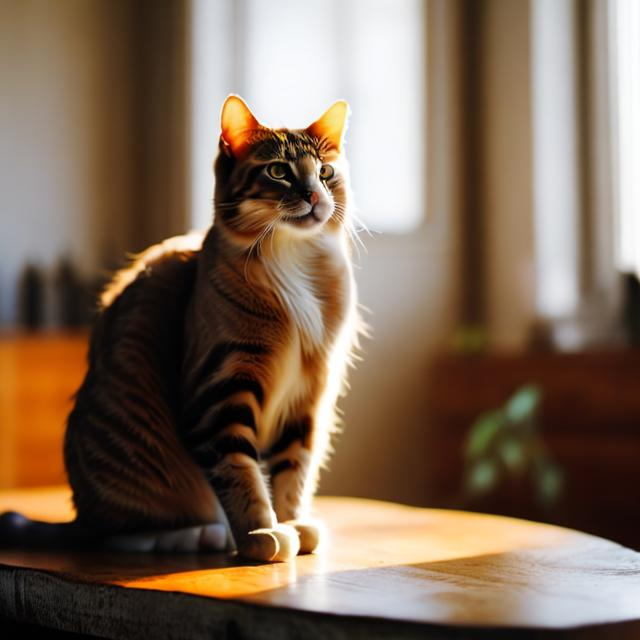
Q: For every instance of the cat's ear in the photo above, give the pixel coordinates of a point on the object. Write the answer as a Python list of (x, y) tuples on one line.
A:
[(238, 123), (332, 124)]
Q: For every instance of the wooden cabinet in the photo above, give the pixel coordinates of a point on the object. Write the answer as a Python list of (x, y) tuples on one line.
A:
[(589, 420), (39, 373)]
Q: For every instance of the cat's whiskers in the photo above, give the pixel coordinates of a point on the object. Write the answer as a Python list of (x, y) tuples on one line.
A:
[(256, 245), (350, 227), (253, 247), (217, 202), (267, 232), (226, 206)]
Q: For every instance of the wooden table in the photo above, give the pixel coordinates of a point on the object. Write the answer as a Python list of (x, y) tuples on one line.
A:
[(388, 571)]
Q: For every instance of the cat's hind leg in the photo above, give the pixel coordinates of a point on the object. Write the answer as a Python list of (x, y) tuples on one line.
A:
[(208, 537)]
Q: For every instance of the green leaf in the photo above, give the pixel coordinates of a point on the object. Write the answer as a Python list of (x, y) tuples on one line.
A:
[(549, 482), (482, 432), (470, 339), (513, 454), (523, 403), (482, 477)]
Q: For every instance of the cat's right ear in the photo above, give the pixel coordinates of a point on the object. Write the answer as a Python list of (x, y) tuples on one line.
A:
[(238, 123)]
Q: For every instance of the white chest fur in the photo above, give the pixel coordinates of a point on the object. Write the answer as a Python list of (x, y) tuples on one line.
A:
[(293, 273), (290, 385), (291, 270)]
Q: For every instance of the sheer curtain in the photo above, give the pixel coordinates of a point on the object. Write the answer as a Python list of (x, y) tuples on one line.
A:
[(624, 27), (291, 60), (586, 140)]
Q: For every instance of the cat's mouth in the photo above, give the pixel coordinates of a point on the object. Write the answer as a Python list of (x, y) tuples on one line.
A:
[(305, 220)]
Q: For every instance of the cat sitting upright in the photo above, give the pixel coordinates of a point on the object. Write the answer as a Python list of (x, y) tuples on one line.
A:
[(216, 361)]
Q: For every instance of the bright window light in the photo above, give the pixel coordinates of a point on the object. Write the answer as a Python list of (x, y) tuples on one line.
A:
[(555, 158), (625, 75), (290, 60)]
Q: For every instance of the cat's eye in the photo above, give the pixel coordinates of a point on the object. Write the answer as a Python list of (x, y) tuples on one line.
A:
[(277, 170), (326, 172)]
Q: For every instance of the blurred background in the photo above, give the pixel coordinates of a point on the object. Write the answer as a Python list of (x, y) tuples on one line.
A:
[(495, 148)]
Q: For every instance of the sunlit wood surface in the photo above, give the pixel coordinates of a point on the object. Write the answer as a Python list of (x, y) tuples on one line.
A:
[(385, 565)]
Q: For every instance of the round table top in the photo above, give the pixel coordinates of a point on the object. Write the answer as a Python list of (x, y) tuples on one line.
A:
[(383, 561)]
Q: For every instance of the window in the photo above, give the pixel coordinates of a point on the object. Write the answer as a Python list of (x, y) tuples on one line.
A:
[(290, 60), (556, 195), (624, 25)]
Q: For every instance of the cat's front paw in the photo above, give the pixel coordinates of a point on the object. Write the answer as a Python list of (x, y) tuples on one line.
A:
[(274, 544), (311, 532)]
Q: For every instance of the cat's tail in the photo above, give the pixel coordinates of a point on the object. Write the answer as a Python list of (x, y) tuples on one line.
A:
[(17, 530)]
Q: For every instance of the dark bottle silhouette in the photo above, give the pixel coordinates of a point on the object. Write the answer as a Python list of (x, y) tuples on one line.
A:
[(71, 297), (31, 298), (632, 308)]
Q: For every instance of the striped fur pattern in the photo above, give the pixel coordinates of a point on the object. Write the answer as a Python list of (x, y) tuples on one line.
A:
[(216, 363)]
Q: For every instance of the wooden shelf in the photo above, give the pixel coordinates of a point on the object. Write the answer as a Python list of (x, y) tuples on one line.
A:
[(39, 373)]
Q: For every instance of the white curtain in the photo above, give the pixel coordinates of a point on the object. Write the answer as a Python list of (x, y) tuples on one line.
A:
[(290, 60), (624, 24)]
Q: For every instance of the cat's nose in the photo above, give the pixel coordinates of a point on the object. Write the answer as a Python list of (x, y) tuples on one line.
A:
[(310, 196)]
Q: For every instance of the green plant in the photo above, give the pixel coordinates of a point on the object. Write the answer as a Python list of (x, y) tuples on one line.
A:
[(505, 443)]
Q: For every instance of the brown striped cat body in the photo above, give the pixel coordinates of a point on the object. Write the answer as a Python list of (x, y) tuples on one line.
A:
[(216, 363)]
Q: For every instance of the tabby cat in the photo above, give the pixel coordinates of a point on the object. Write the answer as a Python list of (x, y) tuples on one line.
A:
[(216, 362)]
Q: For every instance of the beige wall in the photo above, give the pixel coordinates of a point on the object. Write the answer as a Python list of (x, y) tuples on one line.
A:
[(413, 284), (409, 282), (65, 178), (93, 122), (507, 173)]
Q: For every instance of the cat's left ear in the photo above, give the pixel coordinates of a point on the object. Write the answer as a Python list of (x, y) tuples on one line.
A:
[(332, 125), (238, 123)]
